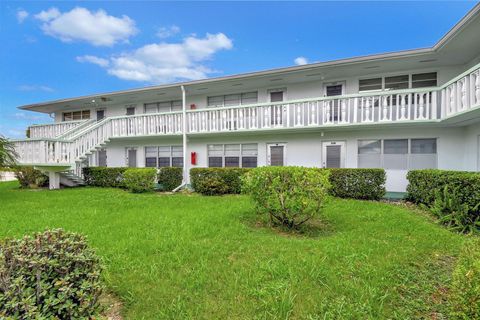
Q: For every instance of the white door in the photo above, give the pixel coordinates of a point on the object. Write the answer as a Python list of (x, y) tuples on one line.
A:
[(276, 154), (333, 154), (331, 90)]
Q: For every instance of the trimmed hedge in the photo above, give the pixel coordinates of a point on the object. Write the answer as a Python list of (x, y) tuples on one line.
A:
[(104, 177), (28, 177), (217, 181), (52, 275), (366, 184), (424, 184), (453, 196), (138, 180), (170, 177)]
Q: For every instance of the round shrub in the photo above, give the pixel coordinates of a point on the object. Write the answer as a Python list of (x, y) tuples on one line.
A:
[(52, 275), (139, 180), (290, 196), (170, 177)]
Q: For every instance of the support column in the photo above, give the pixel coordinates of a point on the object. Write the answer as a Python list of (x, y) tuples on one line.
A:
[(184, 131), (54, 180)]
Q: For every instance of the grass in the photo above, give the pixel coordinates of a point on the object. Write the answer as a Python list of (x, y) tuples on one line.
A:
[(194, 257)]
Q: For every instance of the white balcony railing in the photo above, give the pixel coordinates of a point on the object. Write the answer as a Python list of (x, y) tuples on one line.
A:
[(53, 130), (416, 105)]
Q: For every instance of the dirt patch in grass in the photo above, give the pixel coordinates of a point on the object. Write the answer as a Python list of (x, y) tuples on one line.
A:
[(112, 307)]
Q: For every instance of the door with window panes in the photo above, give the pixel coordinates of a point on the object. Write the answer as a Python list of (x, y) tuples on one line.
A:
[(332, 90), (277, 110)]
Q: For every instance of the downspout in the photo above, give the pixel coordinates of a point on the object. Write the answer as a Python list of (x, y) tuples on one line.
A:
[(184, 134)]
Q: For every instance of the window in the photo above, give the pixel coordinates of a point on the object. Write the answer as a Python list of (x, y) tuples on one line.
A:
[(232, 155), (165, 106), (164, 156), (276, 96), (420, 80), (423, 153), (370, 84), (395, 154), (423, 80), (130, 111), (369, 154), (76, 115), (396, 82), (232, 99), (398, 154)]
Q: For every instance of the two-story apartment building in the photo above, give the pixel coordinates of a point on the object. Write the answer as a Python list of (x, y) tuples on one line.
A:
[(399, 111)]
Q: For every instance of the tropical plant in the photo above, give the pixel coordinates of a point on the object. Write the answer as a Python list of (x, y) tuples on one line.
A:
[(8, 156)]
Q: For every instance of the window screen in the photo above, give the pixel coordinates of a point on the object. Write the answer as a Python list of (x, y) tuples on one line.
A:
[(276, 96), (216, 101), (423, 80), (423, 154), (369, 154), (76, 115), (395, 154), (151, 107), (151, 156), (249, 97), (396, 82), (370, 84), (232, 155)]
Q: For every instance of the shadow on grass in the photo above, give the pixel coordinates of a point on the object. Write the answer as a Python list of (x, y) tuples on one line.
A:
[(313, 228)]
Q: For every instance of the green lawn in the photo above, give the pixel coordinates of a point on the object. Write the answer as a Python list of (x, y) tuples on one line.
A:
[(194, 257)]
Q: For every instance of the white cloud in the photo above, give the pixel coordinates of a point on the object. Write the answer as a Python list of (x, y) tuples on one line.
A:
[(29, 117), (48, 15), (93, 59), (80, 24), (22, 15), (166, 32), (300, 61), (27, 87), (168, 62)]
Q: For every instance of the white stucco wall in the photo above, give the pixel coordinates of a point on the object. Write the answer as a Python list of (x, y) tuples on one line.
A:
[(457, 147)]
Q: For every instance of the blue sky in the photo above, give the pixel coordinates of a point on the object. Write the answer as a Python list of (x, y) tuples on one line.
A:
[(55, 50)]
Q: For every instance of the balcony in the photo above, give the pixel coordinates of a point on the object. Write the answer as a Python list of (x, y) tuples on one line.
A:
[(77, 140)]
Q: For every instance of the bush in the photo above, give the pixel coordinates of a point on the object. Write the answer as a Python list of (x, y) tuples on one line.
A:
[(170, 177), (454, 196), (217, 181), (28, 177), (366, 184), (104, 177), (456, 215), (53, 275), (139, 180), (465, 288), (290, 196)]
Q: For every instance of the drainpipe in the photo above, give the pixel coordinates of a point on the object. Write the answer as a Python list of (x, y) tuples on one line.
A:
[(184, 134)]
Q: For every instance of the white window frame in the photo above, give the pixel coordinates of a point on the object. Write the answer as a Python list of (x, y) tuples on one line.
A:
[(276, 144), (158, 105), (409, 151), (157, 155), (223, 99), (240, 157), (383, 76)]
